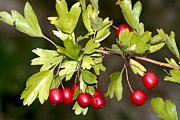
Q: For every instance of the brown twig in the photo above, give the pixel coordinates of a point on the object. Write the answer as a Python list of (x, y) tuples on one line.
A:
[(141, 58), (155, 62)]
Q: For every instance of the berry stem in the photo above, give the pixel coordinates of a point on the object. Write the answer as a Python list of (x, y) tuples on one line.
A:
[(127, 77)]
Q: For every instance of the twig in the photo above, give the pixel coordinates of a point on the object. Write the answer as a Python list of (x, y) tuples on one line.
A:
[(141, 58), (155, 62)]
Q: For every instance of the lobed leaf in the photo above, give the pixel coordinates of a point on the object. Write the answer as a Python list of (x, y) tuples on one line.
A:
[(91, 46), (164, 109), (67, 20), (175, 76), (27, 24), (88, 77), (47, 58), (71, 49), (137, 68), (37, 86), (115, 87), (171, 44)]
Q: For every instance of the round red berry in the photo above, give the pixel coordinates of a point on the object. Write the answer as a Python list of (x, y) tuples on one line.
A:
[(138, 97), (55, 96), (84, 100), (67, 96), (98, 93), (122, 28), (98, 102), (149, 80)]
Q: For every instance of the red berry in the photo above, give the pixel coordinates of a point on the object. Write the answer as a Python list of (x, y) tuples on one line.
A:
[(67, 96), (122, 28), (98, 93), (55, 96), (98, 102), (138, 97), (75, 87), (84, 99), (150, 80)]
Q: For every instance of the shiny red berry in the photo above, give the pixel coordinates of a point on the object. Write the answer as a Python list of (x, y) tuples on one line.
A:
[(149, 80), (98, 102), (75, 87), (67, 96), (98, 93), (55, 96), (122, 28), (138, 97), (84, 100)]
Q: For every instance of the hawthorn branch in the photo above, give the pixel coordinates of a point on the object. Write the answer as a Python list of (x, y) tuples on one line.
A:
[(142, 59), (155, 62)]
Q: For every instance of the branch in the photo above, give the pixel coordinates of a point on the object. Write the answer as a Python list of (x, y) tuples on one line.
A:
[(155, 62), (141, 58)]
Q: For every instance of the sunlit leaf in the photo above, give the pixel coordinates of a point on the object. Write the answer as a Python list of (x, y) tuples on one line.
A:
[(171, 44), (37, 86), (115, 87), (91, 46), (164, 109), (72, 49), (27, 24), (68, 69), (47, 58), (175, 76), (137, 68), (87, 62), (78, 109), (88, 77), (67, 20)]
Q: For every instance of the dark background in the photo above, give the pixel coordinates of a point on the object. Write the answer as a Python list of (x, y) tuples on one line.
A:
[(15, 57)]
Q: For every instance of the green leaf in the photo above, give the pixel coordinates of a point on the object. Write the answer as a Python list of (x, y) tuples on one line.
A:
[(137, 10), (67, 20), (87, 62), (171, 44), (172, 62), (64, 36), (91, 46), (131, 16), (68, 69), (141, 42), (175, 76), (164, 109), (115, 87), (6, 18), (83, 85), (156, 47), (137, 68), (72, 49), (159, 38), (98, 67), (27, 24), (88, 77), (86, 17), (47, 58), (78, 109), (37, 86), (55, 83), (96, 23), (104, 32)]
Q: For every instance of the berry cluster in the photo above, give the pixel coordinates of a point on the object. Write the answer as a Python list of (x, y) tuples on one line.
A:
[(149, 80), (84, 99)]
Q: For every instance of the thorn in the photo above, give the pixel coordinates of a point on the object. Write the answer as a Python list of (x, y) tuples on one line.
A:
[(166, 72), (115, 27)]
